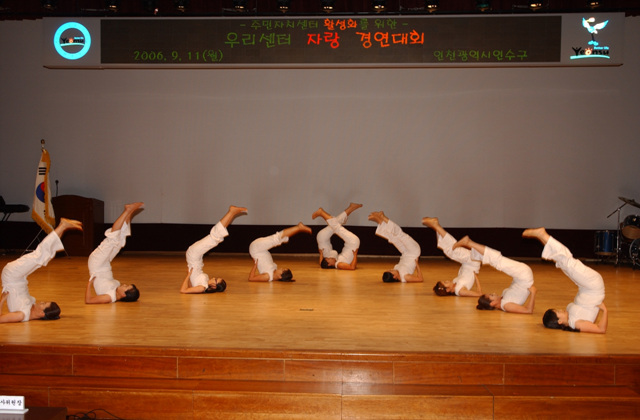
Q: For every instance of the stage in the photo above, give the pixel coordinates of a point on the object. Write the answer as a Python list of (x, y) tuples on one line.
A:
[(334, 344)]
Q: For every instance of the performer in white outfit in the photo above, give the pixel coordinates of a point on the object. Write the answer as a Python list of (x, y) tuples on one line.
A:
[(329, 258), (469, 268), (582, 313), (520, 296), (197, 281), (107, 288), (15, 286), (408, 269), (264, 269)]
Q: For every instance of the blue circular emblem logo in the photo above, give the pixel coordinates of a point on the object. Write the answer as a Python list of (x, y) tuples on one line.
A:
[(72, 40)]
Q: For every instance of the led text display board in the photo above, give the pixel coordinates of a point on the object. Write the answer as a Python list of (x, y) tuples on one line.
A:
[(369, 41)]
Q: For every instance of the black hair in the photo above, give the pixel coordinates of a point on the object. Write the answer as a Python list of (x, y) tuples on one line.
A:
[(286, 275), (52, 312), (441, 290), (484, 303), (325, 264), (387, 277), (550, 320), (131, 295), (220, 287)]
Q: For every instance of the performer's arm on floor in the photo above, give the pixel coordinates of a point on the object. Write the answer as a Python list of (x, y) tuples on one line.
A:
[(253, 276), (527, 308), (590, 327), (89, 298), (470, 293), (185, 285), (417, 278), (352, 266), (9, 316)]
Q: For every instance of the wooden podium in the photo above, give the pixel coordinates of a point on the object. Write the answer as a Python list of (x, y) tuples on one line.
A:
[(90, 212)]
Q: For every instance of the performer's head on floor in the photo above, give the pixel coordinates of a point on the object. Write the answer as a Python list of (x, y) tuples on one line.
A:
[(216, 286), (445, 288), (127, 293), (488, 302), (328, 263), (557, 319), (47, 310), (283, 274), (390, 276)]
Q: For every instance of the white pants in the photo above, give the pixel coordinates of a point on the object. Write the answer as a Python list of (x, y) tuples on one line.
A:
[(324, 237), (590, 283), (335, 227), (101, 257), (15, 273), (466, 274), (351, 241), (259, 250), (196, 252), (408, 247), (518, 291)]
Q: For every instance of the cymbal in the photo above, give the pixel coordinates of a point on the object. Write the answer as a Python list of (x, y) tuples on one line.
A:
[(630, 201)]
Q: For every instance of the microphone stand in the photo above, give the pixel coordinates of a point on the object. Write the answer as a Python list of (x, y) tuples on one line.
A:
[(618, 246)]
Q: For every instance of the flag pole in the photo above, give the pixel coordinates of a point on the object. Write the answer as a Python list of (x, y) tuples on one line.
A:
[(37, 237), (42, 210)]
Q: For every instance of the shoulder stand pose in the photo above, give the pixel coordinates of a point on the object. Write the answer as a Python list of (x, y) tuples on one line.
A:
[(514, 298), (580, 314), (108, 289), (408, 269), (197, 281), (264, 269), (15, 286), (469, 269), (329, 258)]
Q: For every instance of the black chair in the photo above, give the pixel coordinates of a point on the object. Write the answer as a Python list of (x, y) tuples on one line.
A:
[(8, 209)]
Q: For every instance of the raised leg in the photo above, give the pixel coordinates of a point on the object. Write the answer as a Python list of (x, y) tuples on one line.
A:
[(466, 242), (433, 223), (321, 213), (66, 224), (127, 214), (352, 207), (538, 233), (294, 230), (378, 217), (233, 212)]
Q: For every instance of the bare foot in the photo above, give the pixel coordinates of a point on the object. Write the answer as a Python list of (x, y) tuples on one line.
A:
[(235, 210), (318, 213), (376, 216), (538, 233), (131, 207), (69, 224), (304, 228), (464, 242), (431, 222), (353, 207)]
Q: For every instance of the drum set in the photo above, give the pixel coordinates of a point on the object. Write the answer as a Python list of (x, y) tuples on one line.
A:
[(609, 243)]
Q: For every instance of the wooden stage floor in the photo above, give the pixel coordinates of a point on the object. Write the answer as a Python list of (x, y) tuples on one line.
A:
[(332, 345), (324, 310)]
